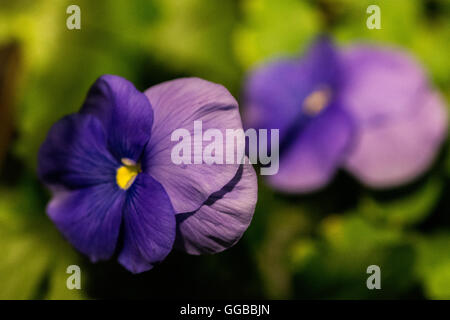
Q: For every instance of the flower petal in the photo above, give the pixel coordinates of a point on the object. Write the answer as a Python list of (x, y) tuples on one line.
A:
[(149, 225), (125, 113), (74, 154), (221, 221), (177, 104), (380, 83), (274, 93), (401, 121), (89, 218), (391, 153), (314, 155)]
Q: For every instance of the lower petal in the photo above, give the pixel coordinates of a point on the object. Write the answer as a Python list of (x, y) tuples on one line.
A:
[(89, 218), (312, 159), (149, 225), (222, 220)]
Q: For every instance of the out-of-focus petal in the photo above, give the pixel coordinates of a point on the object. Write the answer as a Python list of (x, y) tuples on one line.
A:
[(89, 218), (315, 153), (148, 225), (177, 104), (74, 154), (380, 84), (395, 151), (221, 221), (125, 113), (274, 93)]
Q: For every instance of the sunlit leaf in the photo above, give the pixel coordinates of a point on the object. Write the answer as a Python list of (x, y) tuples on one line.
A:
[(433, 264), (404, 23), (58, 75), (34, 255), (57, 282), (335, 265), (274, 28), (406, 209), (194, 37)]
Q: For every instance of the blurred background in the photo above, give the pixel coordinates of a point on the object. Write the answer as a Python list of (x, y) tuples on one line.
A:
[(304, 247)]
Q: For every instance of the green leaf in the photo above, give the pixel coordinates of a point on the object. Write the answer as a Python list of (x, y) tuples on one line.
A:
[(57, 288), (194, 37), (334, 265), (433, 265), (406, 209), (272, 29), (61, 65), (34, 255), (404, 23), (275, 227), (25, 259)]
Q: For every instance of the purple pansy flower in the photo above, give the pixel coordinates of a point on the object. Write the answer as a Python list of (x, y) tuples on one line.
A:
[(368, 109), (115, 188)]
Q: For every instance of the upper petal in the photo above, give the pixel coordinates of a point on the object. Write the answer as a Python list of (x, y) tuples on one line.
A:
[(380, 84), (89, 218), (125, 113), (149, 225), (221, 221), (391, 153), (401, 121), (75, 155), (177, 104), (315, 153), (274, 93)]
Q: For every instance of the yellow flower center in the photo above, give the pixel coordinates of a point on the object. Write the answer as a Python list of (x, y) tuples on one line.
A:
[(317, 101), (127, 173)]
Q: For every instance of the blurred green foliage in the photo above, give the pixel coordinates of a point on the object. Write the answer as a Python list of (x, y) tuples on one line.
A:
[(311, 246), (193, 37), (34, 257), (433, 264), (423, 27), (272, 29)]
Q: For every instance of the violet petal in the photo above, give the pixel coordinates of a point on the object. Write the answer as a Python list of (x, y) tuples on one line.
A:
[(315, 153), (221, 221), (274, 93), (125, 113), (89, 218), (74, 154), (177, 104), (395, 153), (401, 121), (148, 226)]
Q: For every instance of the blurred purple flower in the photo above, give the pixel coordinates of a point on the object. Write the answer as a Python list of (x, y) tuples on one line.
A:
[(115, 188), (370, 110)]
